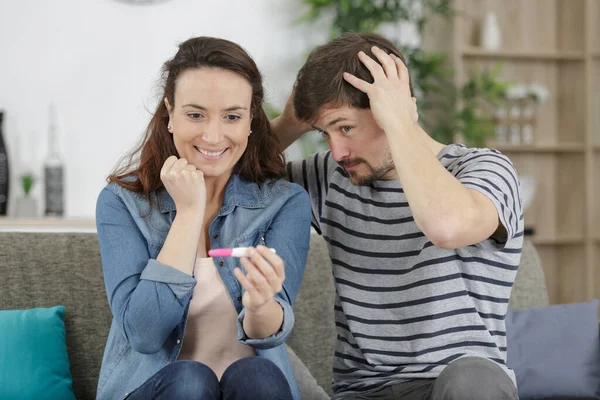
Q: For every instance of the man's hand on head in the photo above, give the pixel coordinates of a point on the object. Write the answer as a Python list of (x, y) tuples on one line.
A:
[(392, 105)]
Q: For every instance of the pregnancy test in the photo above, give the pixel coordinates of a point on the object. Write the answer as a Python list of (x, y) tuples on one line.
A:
[(231, 252)]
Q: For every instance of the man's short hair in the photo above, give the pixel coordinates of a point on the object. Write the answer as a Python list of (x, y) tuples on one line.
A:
[(320, 82)]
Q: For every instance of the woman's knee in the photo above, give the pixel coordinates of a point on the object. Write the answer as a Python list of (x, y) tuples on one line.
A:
[(188, 380), (254, 378)]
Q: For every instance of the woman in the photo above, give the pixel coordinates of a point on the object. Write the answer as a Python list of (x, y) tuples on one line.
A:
[(207, 175)]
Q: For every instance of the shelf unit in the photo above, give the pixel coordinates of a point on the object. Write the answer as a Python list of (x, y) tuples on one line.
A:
[(535, 55), (558, 241), (47, 224), (542, 148), (555, 43)]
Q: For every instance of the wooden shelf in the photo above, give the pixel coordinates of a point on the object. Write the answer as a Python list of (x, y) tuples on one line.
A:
[(558, 241), (541, 148), (558, 47), (48, 224), (524, 55)]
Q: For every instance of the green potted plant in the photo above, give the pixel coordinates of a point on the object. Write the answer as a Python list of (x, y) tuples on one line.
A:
[(479, 97), (447, 112), (26, 205)]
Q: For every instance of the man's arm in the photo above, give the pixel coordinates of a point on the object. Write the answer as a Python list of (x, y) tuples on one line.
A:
[(450, 214), (287, 127)]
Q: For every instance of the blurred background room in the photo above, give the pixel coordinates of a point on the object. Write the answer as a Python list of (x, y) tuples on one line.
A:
[(78, 78)]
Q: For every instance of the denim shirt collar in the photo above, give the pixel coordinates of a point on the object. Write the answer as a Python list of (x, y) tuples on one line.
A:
[(238, 193)]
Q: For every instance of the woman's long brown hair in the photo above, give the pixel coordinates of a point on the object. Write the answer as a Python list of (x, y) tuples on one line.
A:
[(139, 171)]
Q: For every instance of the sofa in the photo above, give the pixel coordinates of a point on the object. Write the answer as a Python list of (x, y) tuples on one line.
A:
[(41, 269)]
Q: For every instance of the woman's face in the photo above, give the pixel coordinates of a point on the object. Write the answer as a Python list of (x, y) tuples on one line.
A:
[(210, 120)]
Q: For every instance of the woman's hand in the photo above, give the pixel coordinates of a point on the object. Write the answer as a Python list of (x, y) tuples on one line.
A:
[(185, 184), (264, 277)]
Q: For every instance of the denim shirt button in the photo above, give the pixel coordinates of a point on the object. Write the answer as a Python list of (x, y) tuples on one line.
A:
[(216, 235), (178, 341), (239, 298), (221, 264)]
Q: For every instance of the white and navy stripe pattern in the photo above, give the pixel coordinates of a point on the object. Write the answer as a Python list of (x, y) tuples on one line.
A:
[(404, 308)]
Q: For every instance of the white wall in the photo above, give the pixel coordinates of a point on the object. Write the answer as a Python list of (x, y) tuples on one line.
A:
[(98, 62)]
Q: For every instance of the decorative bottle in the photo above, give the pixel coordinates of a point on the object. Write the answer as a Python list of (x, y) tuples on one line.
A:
[(4, 171), (54, 179)]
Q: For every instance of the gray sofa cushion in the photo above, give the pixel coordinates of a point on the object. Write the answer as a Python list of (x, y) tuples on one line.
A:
[(529, 289), (309, 388), (48, 269), (313, 336)]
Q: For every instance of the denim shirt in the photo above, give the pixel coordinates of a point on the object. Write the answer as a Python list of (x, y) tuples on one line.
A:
[(150, 301)]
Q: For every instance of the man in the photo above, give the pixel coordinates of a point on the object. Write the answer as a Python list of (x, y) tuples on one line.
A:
[(424, 238)]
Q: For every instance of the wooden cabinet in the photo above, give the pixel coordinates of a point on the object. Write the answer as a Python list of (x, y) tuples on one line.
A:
[(555, 43)]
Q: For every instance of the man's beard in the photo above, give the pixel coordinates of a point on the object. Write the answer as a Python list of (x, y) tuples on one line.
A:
[(375, 173)]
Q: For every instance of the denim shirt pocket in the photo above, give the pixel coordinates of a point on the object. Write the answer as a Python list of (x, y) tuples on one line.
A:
[(254, 238)]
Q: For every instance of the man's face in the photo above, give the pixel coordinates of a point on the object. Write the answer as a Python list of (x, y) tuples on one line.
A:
[(357, 143)]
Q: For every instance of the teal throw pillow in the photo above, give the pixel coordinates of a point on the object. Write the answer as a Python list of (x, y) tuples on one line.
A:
[(34, 363)]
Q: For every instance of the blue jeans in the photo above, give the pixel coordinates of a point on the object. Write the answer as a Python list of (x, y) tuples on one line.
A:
[(249, 378)]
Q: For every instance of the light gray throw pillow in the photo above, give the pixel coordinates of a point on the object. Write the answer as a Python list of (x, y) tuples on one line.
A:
[(555, 350)]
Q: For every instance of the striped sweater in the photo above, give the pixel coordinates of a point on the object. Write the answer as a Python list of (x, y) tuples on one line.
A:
[(405, 308)]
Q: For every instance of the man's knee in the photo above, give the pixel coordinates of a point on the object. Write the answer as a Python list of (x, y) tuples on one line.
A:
[(473, 378), (189, 380)]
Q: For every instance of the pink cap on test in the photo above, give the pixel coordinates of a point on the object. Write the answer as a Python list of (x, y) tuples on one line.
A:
[(220, 252)]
